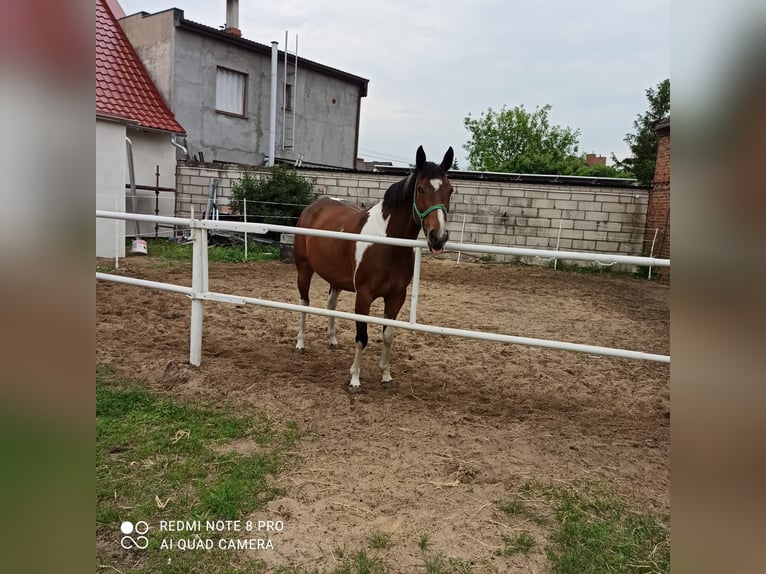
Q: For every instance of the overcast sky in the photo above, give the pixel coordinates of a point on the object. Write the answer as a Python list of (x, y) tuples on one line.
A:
[(431, 63)]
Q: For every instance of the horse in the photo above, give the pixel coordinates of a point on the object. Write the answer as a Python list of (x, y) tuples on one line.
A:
[(371, 270)]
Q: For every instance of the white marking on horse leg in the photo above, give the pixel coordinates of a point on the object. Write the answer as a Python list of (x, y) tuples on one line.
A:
[(385, 356), (356, 366), (435, 183), (302, 329), (332, 302)]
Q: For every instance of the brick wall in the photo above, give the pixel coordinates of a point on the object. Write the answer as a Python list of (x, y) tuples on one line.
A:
[(591, 218), (658, 211)]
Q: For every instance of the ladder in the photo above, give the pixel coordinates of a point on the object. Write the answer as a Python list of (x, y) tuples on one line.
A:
[(289, 99)]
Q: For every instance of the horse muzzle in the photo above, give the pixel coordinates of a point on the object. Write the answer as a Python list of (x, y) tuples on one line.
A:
[(436, 241)]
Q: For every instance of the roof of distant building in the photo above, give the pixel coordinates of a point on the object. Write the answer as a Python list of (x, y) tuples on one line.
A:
[(223, 36), (123, 87)]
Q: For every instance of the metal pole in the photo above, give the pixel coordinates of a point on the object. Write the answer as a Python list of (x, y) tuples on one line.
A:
[(244, 202), (462, 230), (415, 286), (558, 240), (651, 251), (157, 201)]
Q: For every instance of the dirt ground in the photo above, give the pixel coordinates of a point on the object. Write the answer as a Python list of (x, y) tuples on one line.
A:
[(469, 422)]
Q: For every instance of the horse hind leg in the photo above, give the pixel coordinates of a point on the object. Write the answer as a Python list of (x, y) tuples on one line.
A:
[(305, 273), (332, 302), (385, 357)]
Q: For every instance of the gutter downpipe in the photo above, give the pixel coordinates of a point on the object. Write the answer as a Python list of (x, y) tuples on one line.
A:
[(174, 143), (273, 104)]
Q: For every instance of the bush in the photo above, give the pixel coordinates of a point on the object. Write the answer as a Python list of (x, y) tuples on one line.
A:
[(277, 198)]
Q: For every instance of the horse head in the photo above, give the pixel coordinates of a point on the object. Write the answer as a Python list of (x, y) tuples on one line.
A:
[(430, 203)]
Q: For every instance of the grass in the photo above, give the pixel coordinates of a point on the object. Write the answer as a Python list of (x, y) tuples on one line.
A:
[(598, 533), (159, 458), (162, 459), (380, 540), (520, 544), (174, 251), (588, 529), (358, 562)]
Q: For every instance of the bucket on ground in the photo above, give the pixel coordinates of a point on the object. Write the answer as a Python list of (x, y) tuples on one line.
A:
[(139, 246)]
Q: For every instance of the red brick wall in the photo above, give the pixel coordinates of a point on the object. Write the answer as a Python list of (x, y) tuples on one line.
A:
[(658, 211)]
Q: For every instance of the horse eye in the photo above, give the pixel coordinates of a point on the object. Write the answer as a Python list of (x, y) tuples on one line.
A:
[(420, 189)]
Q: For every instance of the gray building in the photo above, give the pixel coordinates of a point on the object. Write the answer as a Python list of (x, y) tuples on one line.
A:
[(218, 86)]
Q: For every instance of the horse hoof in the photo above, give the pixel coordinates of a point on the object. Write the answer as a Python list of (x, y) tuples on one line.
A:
[(388, 385), (333, 346), (353, 390), (300, 351)]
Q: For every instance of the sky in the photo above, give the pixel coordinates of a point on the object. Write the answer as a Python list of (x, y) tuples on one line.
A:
[(432, 63)]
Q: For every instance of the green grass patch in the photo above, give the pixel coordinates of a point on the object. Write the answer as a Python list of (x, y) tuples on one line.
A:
[(437, 563), (587, 529), (165, 249), (358, 562), (162, 459), (597, 532), (380, 540), (519, 544)]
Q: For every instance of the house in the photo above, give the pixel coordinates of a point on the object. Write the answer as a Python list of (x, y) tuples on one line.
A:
[(130, 115), (219, 86)]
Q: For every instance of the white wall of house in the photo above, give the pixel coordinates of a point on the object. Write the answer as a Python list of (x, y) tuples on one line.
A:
[(151, 149), (111, 172)]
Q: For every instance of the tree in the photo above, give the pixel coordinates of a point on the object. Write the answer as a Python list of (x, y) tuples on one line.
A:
[(643, 143), (277, 198), (518, 141)]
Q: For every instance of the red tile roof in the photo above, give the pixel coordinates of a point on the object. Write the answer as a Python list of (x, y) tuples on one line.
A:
[(123, 87)]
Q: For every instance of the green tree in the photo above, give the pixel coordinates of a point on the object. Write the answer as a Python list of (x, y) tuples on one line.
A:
[(277, 198), (515, 140), (643, 143), (599, 170)]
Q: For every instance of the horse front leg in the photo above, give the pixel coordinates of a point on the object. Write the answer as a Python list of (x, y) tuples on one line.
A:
[(361, 307), (332, 302), (392, 307)]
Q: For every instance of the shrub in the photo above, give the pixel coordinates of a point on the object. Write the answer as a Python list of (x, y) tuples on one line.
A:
[(276, 198)]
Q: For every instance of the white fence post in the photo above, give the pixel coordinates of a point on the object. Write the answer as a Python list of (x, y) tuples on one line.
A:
[(415, 286), (199, 286)]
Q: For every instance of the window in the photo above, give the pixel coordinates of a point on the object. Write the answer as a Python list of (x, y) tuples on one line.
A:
[(230, 90)]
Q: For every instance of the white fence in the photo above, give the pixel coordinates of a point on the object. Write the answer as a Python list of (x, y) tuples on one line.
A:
[(199, 292)]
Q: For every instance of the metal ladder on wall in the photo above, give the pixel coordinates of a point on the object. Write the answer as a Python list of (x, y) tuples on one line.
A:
[(289, 88)]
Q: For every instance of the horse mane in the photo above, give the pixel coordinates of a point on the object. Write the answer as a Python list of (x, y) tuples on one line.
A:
[(400, 193)]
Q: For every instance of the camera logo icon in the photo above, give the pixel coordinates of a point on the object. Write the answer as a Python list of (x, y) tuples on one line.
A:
[(139, 541)]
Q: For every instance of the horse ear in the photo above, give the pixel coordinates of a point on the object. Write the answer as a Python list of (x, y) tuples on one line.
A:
[(447, 161), (420, 158)]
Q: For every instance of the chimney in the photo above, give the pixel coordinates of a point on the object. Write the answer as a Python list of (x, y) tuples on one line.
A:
[(593, 159), (232, 18)]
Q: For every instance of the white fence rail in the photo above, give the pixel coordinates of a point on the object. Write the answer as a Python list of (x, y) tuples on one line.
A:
[(199, 292)]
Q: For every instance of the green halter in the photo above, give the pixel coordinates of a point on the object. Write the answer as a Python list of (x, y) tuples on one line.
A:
[(425, 213)]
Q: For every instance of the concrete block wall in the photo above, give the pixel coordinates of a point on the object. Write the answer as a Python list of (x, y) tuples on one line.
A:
[(578, 218)]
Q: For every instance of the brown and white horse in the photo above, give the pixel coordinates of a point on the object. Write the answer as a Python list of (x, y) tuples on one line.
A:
[(371, 270)]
